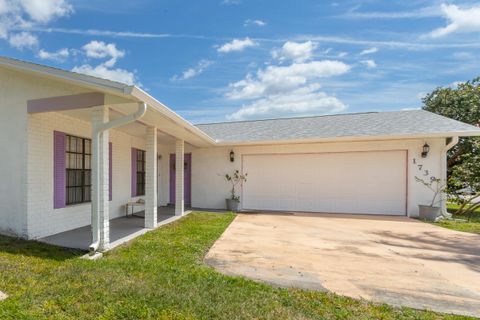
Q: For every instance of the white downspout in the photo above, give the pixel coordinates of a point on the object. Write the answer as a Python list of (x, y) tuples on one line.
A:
[(97, 130), (443, 167)]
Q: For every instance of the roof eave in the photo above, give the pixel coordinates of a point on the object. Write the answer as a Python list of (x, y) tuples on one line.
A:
[(352, 138), (140, 95)]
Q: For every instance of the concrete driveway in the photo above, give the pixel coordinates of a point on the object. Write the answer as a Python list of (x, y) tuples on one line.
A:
[(394, 260)]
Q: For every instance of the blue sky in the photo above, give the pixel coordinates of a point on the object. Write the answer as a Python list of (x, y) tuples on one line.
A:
[(224, 60)]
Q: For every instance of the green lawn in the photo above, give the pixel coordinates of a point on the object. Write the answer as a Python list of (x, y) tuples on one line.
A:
[(457, 224), (160, 275)]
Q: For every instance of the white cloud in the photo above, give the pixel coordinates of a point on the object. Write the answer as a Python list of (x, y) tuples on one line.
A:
[(425, 12), (295, 51), (230, 2), (59, 55), (460, 20), (237, 45), (23, 40), (276, 79), (287, 90), (255, 22), (193, 72), (369, 63), (369, 51), (99, 49), (46, 10), (342, 54), (26, 14), (302, 101), (102, 71)]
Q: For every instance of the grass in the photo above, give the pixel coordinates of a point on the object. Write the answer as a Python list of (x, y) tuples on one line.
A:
[(459, 223), (160, 275)]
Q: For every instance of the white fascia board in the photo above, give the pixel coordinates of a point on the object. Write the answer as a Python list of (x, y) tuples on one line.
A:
[(156, 105), (351, 139), (95, 83)]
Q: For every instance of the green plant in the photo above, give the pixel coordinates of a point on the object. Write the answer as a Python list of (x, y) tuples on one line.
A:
[(235, 178), (435, 185)]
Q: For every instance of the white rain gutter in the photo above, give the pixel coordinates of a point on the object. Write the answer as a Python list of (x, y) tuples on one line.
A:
[(443, 167), (142, 109)]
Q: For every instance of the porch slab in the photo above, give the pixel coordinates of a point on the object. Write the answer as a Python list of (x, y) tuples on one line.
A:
[(122, 230)]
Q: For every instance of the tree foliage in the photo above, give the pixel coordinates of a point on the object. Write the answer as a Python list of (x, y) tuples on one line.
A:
[(461, 103)]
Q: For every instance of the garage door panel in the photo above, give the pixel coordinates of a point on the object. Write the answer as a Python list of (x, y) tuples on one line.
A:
[(357, 182)]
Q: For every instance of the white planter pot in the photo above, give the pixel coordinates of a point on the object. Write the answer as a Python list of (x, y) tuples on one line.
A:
[(428, 213)]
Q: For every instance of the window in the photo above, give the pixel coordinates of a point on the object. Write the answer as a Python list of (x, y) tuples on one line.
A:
[(78, 165), (140, 172)]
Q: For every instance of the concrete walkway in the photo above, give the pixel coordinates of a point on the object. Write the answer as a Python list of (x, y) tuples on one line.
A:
[(392, 260)]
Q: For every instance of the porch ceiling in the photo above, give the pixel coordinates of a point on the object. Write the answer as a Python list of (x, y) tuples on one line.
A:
[(168, 130)]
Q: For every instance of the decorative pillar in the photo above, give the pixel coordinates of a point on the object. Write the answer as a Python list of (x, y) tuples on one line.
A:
[(100, 179), (179, 177), (151, 179)]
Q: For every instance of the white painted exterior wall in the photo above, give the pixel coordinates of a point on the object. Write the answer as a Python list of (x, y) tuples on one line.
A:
[(43, 220), (211, 164), (26, 192)]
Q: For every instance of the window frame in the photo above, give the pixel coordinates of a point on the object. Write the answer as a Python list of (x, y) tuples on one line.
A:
[(85, 169), (141, 172)]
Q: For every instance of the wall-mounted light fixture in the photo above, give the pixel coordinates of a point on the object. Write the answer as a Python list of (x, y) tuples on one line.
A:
[(232, 156), (426, 150)]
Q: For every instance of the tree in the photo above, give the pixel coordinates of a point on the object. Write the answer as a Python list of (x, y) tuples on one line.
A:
[(460, 103)]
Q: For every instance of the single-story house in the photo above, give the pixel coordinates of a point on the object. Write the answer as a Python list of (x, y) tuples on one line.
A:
[(78, 148)]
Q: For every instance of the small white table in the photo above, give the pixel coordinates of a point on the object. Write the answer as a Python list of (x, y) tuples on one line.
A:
[(132, 204)]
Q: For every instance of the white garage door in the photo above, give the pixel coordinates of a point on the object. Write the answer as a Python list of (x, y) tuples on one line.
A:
[(353, 182)]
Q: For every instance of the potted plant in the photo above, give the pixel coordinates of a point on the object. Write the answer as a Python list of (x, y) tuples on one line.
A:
[(235, 178), (431, 211)]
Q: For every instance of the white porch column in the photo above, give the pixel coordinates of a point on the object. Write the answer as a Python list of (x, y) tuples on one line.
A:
[(100, 205), (151, 179), (179, 177)]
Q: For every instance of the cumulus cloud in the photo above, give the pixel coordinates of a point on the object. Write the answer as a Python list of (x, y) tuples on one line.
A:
[(23, 40), (302, 101), (45, 10), (287, 90), (104, 72), (254, 22), (101, 50), (237, 45), (276, 79), (193, 72), (369, 51), (59, 55), (369, 63), (459, 20), (295, 51), (18, 14)]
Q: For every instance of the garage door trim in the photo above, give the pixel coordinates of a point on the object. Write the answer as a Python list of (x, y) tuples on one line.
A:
[(405, 213)]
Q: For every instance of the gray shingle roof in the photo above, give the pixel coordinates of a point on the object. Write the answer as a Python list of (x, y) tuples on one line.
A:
[(372, 124)]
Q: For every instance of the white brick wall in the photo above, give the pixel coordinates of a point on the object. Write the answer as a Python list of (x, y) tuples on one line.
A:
[(43, 220)]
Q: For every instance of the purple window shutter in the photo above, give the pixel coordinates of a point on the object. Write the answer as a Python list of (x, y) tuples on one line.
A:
[(134, 172), (110, 172), (59, 169)]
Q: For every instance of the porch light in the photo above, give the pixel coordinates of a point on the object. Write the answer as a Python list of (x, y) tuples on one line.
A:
[(232, 156), (426, 150)]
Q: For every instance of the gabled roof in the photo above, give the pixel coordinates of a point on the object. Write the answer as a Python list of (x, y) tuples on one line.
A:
[(131, 92), (355, 126)]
